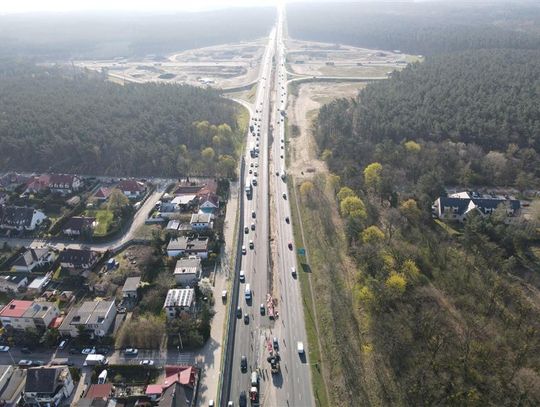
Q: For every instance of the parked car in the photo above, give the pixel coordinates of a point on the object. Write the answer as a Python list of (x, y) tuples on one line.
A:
[(26, 350), (24, 362), (275, 343), (4, 348), (63, 344), (146, 362), (38, 363), (131, 352), (88, 351), (74, 351), (103, 350), (121, 310)]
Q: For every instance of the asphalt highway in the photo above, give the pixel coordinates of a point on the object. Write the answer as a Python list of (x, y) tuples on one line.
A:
[(270, 203)]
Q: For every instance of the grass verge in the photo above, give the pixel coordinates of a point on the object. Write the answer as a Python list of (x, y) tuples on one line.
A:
[(314, 351)]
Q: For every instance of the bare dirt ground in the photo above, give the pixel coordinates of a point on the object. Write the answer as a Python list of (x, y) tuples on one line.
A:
[(314, 58), (222, 66), (301, 112)]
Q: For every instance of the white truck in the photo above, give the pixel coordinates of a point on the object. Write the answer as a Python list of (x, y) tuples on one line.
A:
[(95, 360), (300, 348)]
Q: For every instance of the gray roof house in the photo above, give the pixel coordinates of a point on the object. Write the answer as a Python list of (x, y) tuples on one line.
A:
[(129, 290), (47, 386), (95, 317), (462, 204), (188, 271), (32, 258), (188, 247)]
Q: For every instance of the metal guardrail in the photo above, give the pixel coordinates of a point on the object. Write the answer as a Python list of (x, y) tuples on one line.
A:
[(229, 349)]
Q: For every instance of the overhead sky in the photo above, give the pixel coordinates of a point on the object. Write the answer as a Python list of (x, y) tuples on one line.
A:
[(18, 6)]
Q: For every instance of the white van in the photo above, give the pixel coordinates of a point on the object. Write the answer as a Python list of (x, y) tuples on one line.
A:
[(242, 276), (248, 292), (254, 379)]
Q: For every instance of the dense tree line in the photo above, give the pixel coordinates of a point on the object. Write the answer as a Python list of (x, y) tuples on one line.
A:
[(475, 114), (87, 36), (67, 121), (421, 28)]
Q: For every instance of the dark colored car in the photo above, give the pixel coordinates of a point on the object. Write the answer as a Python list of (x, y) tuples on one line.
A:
[(238, 312), (243, 399), (74, 351), (243, 363), (246, 318), (287, 220), (26, 350), (290, 246)]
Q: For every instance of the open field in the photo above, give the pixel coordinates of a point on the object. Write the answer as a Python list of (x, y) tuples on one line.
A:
[(313, 58), (222, 66)]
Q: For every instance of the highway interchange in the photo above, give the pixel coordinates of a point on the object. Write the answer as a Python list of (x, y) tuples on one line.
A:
[(269, 211)]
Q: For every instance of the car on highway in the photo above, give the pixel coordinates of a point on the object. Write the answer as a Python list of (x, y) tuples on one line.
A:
[(24, 363), (300, 347), (246, 230), (211, 403), (239, 312), (242, 276), (293, 271), (244, 251), (251, 244), (256, 165), (88, 351), (255, 174), (252, 225), (262, 309), (131, 352), (275, 343), (146, 362), (253, 214), (281, 156), (243, 363), (250, 172), (251, 165), (230, 404), (246, 318), (289, 246), (242, 401), (284, 195), (4, 348), (287, 220)]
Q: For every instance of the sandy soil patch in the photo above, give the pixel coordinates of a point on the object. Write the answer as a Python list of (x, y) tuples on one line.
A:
[(301, 112)]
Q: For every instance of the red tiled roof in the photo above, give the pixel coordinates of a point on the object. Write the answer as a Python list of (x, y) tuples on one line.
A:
[(103, 192), (56, 322), (56, 179), (153, 389), (101, 391), (15, 308), (130, 185), (184, 375)]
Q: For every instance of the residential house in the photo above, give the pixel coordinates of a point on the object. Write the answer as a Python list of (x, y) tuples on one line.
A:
[(20, 218), (12, 180), (32, 258), (188, 247), (64, 183), (183, 203), (21, 315), (208, 203), (201, 222), (188, 271), (174, 396), (13, 283), (96, 317), (129, 290), (47, 386), (37, 183), (12, 382), (78, 261), (179, 300), (102, 194), (39, 283), (462, 204), (132, 188), (79, 226), (99, 391)]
